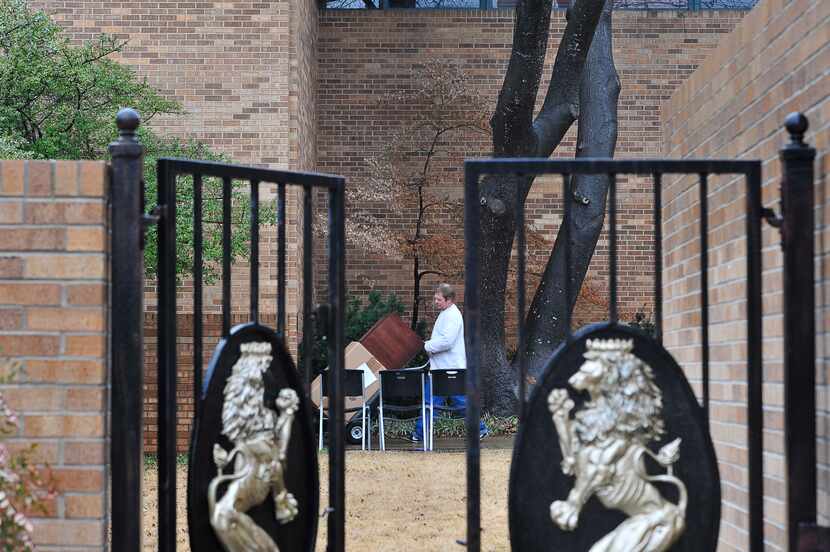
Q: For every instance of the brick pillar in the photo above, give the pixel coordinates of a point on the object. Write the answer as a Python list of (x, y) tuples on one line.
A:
[(53, 317)]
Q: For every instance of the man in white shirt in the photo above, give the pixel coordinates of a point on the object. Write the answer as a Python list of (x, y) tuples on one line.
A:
[(446, 350)]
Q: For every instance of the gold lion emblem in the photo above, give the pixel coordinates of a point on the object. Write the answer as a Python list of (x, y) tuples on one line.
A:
[(603, 447), (260, 440)]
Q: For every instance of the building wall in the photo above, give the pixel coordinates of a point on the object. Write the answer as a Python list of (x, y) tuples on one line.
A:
[(245, 73), (368, 56), (262, 83), (226, 62), (53, 319), (776, 61)]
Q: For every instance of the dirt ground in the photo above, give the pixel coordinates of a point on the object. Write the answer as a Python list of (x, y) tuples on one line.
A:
[(395, 502)]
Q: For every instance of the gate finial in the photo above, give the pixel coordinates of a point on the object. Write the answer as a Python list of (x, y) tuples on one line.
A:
[(797, 125), (127, 121)]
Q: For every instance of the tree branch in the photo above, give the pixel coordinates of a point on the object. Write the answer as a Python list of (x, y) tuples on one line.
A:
[(597, 137), (512, 119), (561, 106), (428, 272)]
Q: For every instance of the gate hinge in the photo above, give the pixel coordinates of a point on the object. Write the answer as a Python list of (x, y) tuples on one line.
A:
[(771, 217)]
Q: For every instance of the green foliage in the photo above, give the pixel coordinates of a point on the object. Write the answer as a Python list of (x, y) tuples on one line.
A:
[(211, 210), (643, 322), (59, 101), (359, 319), (446, 426), (151, 461), (12, 147)]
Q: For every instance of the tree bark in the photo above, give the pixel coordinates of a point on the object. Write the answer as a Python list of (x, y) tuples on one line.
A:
[(516, 134), (596, 137)]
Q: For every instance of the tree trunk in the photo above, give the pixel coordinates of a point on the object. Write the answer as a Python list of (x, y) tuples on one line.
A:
[(597, 137), (515, 134)]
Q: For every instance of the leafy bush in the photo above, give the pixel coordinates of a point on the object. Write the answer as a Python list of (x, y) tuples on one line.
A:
[(452, 427), (157, 147), (59, 101), (643, 322)]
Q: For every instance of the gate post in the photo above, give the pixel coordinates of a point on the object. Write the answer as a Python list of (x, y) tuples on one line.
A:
[(797, 234), (127, 333)]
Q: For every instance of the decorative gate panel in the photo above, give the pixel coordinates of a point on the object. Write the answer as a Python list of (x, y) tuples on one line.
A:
[(591, 499), (252, 413)]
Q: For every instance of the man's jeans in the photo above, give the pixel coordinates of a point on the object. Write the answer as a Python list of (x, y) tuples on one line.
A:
[(458, 402)]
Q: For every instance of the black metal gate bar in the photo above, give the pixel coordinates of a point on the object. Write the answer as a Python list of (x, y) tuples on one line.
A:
[(703, 189), (307, 286), (520, 284), (281, 260), (167, 370), (472, 323), (799, 336), (198, 277), (754, 364), (255, 250), (127, 335), (613, 313), (474, 169), (168, 169), (337, 436), (658, 257), (226, 256), (567, 193)]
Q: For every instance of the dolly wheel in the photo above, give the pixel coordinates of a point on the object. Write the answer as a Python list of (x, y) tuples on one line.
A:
[(354, 432)]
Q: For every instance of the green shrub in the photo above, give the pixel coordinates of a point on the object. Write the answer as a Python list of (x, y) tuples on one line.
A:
[(452, 427), (643, 322)]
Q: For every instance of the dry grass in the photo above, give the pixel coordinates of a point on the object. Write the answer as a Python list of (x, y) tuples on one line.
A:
[(395, 501)]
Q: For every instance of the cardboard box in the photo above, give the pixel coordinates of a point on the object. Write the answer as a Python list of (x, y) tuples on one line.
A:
[(356, 357)]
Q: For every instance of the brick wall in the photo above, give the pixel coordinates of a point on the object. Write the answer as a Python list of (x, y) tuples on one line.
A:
[(226, 62), (245, 73), (366, 56), (775, 62), (53, 317)]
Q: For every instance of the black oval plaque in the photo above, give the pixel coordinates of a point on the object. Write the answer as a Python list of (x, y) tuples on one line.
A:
[(537, 477), (300, 476)]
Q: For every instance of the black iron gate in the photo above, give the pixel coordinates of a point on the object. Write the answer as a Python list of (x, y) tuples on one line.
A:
[(128, 225), (129, 222), (796, 223)]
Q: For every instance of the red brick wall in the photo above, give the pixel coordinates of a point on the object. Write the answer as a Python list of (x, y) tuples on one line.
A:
[(366, 56), (775, 62), (53, 319)]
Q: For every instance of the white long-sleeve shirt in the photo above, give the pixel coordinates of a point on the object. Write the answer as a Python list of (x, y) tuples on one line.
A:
[(446, 343)]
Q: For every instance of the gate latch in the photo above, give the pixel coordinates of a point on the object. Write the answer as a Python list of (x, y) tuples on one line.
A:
[(150, 219), (153, 217)]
